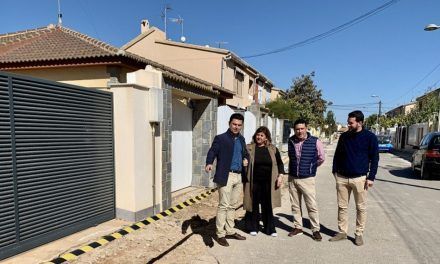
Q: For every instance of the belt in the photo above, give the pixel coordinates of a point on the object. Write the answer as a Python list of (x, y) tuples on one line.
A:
[(235, 171)]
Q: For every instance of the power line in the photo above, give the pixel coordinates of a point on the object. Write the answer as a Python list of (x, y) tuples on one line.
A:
[(329, 32), (417, 84)]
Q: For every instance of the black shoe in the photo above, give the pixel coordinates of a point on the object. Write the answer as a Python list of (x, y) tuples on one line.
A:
[(316, 236), (223, 242), (236, 236)]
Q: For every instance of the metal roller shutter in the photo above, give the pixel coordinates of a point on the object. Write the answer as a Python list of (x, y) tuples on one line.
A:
[(61, 139)]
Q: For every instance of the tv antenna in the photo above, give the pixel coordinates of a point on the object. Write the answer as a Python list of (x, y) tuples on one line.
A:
[(179, 21), (164, 16), (220, 43)]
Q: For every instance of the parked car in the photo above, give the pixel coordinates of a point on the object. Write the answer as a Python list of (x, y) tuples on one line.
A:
[(426, 158), (385, 144)]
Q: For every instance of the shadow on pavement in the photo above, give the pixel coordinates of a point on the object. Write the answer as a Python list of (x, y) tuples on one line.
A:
[(153, 260), (404, 154), (199, 226), (403, 173), (306, 224), (412, 185)]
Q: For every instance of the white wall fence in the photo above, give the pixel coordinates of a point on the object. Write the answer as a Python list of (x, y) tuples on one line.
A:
[(250, 124), (416, 133)]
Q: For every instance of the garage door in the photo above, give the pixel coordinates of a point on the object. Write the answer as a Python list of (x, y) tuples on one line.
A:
[(56, 161)]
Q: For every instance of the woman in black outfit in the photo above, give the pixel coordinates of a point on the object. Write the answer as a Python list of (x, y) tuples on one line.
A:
[(263, 181)]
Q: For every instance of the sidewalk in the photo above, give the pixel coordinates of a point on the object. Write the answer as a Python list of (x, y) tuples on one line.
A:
[(403, 153)]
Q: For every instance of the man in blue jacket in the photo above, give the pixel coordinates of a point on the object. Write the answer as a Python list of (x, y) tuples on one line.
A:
[(354, 167), (229, 149)]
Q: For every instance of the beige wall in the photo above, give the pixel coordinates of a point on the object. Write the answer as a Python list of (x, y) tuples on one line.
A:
[(135, 161), (201, 62), (87, 76), (274, 94), (409, 108)]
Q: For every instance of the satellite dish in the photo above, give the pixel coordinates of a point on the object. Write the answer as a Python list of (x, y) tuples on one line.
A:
[(182, 38)]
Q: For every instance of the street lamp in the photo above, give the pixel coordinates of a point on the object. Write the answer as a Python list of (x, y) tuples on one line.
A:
[(379, 112), (431, 27)]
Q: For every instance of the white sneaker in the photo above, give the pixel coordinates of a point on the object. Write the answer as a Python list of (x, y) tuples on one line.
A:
[(253, 233), (274, 235)]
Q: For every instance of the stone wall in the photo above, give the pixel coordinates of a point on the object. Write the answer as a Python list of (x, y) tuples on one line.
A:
[(204, 131)]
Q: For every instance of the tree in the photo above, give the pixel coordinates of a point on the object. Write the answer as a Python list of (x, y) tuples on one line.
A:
[(303, 100), (370, 121), (330, 124)]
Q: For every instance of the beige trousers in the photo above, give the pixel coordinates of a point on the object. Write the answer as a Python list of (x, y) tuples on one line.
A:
[(344, 187), (299, 188), (228, 201)]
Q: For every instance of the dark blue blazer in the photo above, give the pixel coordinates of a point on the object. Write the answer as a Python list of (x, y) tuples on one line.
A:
[(222, 149)]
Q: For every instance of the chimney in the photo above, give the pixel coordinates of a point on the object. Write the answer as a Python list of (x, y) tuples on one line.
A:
[(145, 25)]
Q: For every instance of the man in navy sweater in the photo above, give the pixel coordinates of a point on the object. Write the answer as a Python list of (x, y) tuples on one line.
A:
[(230, 151), (354, 167)]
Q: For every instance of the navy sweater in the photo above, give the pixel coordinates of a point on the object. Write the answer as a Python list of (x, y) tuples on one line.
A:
[(357, 154)]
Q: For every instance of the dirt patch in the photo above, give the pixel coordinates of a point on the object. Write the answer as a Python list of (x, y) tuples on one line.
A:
[(183, 237)]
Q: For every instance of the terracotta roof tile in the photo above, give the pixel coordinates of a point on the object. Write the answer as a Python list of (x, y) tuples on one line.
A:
[(55, 43), (51, 43)]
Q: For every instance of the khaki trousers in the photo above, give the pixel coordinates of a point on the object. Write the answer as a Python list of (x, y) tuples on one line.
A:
[(299, 188), (344, 187), (228, 202)]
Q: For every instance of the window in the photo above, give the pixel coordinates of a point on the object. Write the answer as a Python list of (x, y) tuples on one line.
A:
[(251, 88), (424, 140), (436, 141), (238, 82)]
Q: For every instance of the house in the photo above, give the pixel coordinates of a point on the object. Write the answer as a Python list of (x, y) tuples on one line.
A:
[(163, 119), (276, 93), (401, 110), (215, 65), (409, 136)]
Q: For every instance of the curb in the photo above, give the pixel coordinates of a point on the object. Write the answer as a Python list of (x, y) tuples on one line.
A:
[(72, 255)]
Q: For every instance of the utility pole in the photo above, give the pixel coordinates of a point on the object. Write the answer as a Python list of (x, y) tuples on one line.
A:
[(378, 116)]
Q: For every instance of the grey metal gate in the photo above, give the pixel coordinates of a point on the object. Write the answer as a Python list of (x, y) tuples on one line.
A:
[(56, 161)]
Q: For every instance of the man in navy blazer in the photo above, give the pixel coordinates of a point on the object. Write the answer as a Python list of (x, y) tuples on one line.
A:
[(230, 151)]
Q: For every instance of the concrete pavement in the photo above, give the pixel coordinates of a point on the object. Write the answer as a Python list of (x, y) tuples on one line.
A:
[(402, 224)]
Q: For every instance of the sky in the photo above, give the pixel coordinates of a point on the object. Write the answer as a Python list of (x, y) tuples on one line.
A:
[(388, 54)]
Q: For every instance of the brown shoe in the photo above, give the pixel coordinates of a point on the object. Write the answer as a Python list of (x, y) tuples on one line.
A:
[(236, 236), (338, 237), (223, 242), (295, 232), (317, 236), (358, 240)]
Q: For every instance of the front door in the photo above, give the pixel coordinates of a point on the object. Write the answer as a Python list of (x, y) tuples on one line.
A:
[(181, 152)]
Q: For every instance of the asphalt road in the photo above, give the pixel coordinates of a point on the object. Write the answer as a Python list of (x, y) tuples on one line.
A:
[(403, 224)]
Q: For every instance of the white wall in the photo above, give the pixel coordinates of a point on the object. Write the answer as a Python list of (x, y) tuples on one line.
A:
[(250, 125), (181, 146), (270, 126), (223, 115), (416, 133)]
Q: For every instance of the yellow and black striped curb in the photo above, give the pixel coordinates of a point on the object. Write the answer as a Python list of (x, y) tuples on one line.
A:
[(128, 229)]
